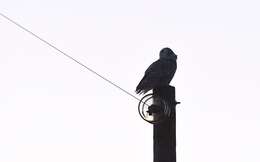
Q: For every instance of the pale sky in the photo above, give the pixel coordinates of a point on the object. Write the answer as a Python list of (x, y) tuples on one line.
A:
[(52, 109)]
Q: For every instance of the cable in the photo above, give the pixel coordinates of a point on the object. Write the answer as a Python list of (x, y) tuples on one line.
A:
[(68, 56)]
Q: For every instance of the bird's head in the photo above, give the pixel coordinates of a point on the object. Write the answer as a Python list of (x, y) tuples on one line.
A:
[(167, 53)]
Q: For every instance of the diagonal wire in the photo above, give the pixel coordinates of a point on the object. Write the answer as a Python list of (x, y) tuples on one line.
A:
[(68, 56)]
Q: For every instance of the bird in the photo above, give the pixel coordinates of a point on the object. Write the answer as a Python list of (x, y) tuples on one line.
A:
[(159, 73)]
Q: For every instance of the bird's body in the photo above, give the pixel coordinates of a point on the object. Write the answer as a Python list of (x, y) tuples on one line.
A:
[(159, 73)]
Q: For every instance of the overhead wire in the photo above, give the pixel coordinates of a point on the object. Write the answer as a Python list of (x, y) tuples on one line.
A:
[(68, 56)]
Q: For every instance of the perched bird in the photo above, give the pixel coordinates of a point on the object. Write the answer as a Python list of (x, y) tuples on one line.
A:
[(159, 73)]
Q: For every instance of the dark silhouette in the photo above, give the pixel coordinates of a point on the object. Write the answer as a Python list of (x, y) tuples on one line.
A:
[(157, 78), (159, 73), (164, 133)]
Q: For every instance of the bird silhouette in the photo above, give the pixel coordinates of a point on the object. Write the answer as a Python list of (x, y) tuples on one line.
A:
[(159, 73)]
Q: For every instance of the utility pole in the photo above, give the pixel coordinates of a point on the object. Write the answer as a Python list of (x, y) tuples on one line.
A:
[(161, 112), (164, 133)]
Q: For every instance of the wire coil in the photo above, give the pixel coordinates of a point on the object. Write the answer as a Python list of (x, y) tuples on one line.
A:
[(153, 109)]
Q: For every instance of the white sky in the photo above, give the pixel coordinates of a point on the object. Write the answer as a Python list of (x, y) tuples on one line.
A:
[(52, 109)]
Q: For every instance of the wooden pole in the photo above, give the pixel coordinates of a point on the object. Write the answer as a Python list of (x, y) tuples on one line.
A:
[(164, 133)]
